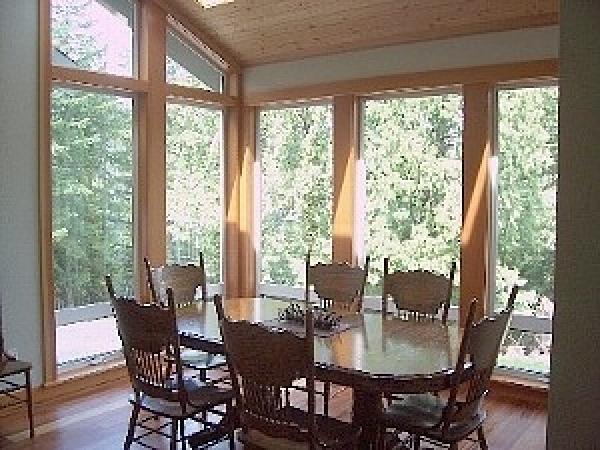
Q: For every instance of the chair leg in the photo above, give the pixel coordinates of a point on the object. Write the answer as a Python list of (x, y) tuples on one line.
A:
[(29, 402), (481, 438), (380, 440), (132, 422), (173, 443), (182, 433), (326, 394), (416, 442), (229, 413)]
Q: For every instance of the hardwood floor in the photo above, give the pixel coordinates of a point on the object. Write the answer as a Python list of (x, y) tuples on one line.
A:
[(99, 419)]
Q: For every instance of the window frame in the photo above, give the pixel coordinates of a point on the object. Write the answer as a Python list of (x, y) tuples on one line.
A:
[(519, 321), (148, 89), (373, 302), (212, 288), (135, 4), (187, 39)]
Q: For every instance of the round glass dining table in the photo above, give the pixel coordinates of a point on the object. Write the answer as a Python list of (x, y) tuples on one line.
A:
[(371, 352)]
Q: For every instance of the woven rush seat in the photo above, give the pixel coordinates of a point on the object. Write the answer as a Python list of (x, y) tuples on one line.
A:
[(415, 412), (200, 395)]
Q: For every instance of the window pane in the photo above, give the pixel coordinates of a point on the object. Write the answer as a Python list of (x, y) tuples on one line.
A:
[(186, 66), (194, 211), (527, 351), (92, 198), (412, 149), (527, 179), (93, 35), (295, 147)]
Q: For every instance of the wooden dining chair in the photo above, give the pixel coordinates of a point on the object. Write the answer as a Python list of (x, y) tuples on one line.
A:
[(454, 419), (418, 293), (185, 282), (150, 341), (339, 286), (264, 362)]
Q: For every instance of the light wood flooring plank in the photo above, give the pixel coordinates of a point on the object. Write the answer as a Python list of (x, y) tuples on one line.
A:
[(98, 421)]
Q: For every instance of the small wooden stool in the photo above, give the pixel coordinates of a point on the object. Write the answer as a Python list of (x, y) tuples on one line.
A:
[(9, 387)]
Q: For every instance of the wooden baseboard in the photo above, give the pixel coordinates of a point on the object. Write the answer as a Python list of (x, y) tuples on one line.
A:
[(74, 384), (530, 393)]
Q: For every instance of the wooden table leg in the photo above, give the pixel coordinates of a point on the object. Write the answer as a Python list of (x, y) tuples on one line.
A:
[(366, 407), (29, 402)]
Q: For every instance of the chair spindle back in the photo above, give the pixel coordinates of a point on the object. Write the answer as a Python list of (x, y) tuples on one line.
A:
[(183, 280), (480, 346), (264, 362), (150, 341), (339, 286), (418, 292)]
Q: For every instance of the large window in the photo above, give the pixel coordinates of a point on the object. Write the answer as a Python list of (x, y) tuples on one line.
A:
[(93, 35), (92, 210), (295, 150), (194, 205), (92, 167), (526, 220), (412, 149), (101, 78)]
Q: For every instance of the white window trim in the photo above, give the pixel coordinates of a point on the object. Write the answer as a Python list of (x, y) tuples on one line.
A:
[(95, 311)]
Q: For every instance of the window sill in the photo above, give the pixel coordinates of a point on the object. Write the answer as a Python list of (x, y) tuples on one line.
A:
[(89, 371)]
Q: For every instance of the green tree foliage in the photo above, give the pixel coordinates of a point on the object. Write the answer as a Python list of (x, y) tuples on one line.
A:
[(92, 172), (528, 174), (91, 36), (413, 151), (92, 195), (194, 187), (296, 191)]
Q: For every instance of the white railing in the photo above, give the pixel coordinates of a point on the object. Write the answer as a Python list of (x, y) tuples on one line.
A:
[(94, 311)]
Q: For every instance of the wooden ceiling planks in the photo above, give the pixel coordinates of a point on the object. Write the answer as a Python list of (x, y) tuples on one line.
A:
[(264, 31)]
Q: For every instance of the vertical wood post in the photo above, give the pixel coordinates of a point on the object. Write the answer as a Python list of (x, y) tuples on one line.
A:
[(45, 190), (247, 264), (150, 204), (477, 148), (232, 165), (345, 156)]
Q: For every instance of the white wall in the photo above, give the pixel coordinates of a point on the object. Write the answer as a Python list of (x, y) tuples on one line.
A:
[(574, 415), (19, 242), (483, 49)]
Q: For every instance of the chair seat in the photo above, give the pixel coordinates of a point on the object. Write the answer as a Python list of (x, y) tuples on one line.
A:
[(421, 413), (13, 367), (197, 359), (331, 433), (200, 397)]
